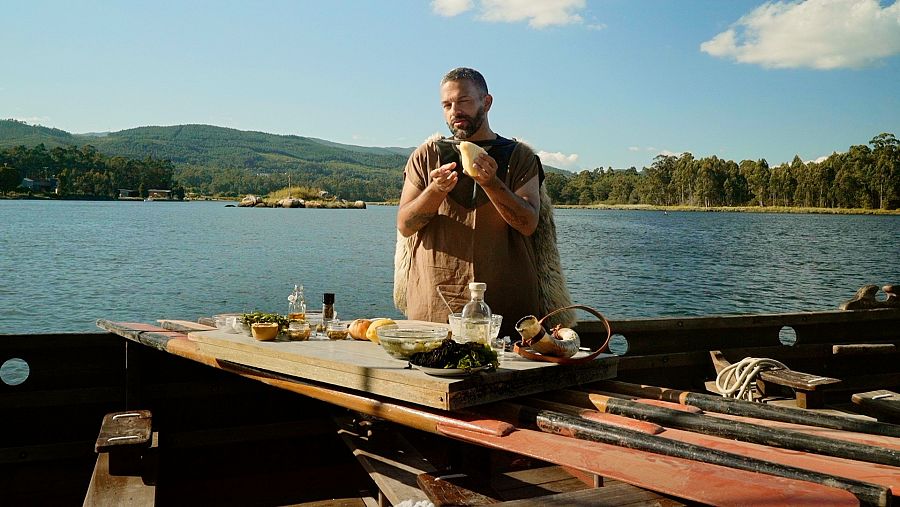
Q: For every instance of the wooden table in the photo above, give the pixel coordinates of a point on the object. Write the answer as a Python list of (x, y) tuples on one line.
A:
[(365, 366), (501, 425)]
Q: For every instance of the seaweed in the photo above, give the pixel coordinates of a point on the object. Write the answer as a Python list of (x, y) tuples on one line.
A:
[(451, 354)]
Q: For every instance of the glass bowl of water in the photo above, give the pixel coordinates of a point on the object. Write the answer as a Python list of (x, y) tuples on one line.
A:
[(455, 320)]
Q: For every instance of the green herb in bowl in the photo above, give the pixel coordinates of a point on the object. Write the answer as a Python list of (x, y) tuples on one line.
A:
[(450, 354), (257, 317)]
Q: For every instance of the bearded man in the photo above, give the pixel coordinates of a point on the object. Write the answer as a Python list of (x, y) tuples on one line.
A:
[(465, 228)]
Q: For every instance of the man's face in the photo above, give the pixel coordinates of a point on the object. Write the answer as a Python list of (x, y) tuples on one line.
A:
[(464, 106)]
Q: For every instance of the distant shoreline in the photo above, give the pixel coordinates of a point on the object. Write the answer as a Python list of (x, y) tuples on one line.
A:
[(720, 209), (625, 207), (733, 209)]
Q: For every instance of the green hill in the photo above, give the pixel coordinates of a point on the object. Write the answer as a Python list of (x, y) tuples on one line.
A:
[(16, 133), (223, 161)]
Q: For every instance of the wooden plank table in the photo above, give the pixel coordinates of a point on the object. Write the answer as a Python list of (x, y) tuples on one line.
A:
[(684, 478), (365, 366)]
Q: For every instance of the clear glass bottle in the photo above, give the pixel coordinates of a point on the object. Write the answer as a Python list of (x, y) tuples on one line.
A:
[(476, 316), (297, 304)]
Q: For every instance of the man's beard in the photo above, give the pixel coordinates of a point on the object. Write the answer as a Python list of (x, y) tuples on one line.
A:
[(474, 124)]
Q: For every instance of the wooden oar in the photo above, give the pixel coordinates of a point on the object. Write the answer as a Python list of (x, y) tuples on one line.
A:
[(836, 434), (857, 470), (576, 427), (684, 478), (749, 409), (732, 429)]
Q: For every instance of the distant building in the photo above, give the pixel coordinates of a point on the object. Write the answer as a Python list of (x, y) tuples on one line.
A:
[(49, 185), (159, 195), (127, 193)]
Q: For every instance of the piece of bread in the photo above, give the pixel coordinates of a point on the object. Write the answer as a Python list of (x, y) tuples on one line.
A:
[(468, 153), (371, 333)]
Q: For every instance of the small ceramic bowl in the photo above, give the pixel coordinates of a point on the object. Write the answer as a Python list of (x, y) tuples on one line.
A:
[(264, 331)]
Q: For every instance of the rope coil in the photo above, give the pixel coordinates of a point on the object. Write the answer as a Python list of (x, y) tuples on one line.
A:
[(739, 379)]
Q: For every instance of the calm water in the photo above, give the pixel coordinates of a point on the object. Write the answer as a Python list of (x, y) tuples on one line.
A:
[(65, 264)]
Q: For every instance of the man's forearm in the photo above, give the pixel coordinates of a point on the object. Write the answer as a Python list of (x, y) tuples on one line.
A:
[(519, 213), (416, 214)]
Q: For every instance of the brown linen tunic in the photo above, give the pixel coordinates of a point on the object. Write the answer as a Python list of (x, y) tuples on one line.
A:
[(461, 245)]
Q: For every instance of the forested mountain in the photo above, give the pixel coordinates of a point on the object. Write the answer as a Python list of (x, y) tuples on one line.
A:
[(228, 162), (223, 161), (17, 133)]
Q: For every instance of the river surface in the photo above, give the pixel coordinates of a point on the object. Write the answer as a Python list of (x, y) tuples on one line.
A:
[(65, 264)]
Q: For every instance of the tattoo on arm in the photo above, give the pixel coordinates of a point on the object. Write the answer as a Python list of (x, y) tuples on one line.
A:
[(514, 219)]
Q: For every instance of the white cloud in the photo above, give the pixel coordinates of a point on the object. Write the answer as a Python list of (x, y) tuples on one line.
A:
[(558, 159), (634, 148), (819, 160), (667, 153), (818, 34), (450, 8), (539, 13), (33, 120)]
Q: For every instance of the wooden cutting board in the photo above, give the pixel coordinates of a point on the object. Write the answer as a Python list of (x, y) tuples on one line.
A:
[(365, 366)]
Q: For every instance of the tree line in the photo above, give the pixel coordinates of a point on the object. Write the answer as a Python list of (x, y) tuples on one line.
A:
[(85, 172), (863, 177), (348, 181)]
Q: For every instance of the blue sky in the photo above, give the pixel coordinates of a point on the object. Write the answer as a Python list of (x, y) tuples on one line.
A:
[(587, 83)]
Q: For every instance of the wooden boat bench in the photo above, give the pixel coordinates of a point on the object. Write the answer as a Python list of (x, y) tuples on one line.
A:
[(884, 405), (808, 388), (125, 471)]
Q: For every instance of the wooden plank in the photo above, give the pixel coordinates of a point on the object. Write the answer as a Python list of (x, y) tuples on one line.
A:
[(391, 462), (121, 430), (107, 490), (887, 476), (691, 480), (680, 334), (864, 349), (615, 494), (722, 405), (740, 431), (183, 326), (530, 477), (569, 426), (797, 379), (883, 404), (367, 367), (454, 490)]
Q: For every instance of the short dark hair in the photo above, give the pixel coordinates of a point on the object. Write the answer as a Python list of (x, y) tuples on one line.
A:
[(460, 73)]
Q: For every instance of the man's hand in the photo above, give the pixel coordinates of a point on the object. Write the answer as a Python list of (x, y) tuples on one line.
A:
[(444, 178), (485, 171)]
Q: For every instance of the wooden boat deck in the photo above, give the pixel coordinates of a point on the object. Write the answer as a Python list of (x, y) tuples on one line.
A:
[(287, 442)]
